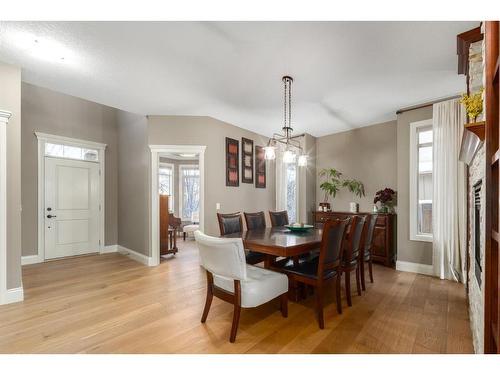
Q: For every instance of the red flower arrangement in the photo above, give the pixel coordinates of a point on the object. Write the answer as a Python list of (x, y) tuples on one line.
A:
[(387, 199)]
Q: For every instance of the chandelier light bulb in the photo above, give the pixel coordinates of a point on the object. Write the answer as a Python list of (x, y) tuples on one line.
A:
[(269, 153), (302, 161)]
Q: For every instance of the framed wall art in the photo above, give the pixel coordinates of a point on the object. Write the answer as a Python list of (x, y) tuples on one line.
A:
[(260, 167), (232, 161), (246, 161)]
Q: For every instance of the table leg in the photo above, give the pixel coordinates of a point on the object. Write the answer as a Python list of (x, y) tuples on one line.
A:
[(269, 261)]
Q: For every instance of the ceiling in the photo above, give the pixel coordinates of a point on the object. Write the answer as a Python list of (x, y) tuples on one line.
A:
[(346, 74)]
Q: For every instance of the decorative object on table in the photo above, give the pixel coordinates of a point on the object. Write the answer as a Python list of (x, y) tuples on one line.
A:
[(357, 188), (232, 168), (324, 206), (375, 209), (387, 199), (473, 104), (246, 161), (299, 227), (291, 144), (331, 184), (260, 167)]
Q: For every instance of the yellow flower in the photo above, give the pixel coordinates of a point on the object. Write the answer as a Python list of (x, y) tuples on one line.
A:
[(473, 104)]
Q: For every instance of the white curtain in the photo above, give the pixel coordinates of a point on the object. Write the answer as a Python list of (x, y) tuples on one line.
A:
[(280, 180), (449, 208)]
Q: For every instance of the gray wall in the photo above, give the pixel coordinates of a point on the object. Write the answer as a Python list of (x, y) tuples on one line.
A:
[(55, 113), (367, 154), (133, 182), (197, 130), (10, 100), (176, 163), (408, 251)]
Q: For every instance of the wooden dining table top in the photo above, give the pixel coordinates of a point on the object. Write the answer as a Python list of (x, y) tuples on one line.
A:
[(279, 241)]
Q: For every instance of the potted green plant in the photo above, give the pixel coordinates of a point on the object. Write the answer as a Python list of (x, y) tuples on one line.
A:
[(357, 188), (331, 184)]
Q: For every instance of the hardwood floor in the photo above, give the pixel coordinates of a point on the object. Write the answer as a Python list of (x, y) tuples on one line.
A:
[(111, 304)]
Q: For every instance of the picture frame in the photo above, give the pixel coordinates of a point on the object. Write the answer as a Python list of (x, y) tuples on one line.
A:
[(260, 168), (232, 162), (247, 161)]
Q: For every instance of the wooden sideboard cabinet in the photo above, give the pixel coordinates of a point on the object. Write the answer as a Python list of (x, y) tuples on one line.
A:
[(384, 237)]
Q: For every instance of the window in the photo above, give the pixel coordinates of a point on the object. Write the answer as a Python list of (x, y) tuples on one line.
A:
[(166, 183), (71, 152), (291, 191), (421, 181), (190, 191)]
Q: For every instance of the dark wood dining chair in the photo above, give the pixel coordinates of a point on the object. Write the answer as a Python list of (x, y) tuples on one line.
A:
[(316, 271), (232, 223), (350, 256), (255, 220), (367, 249), (278, 218)]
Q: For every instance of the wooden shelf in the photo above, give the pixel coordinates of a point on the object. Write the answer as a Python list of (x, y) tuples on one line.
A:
[(477, 128)]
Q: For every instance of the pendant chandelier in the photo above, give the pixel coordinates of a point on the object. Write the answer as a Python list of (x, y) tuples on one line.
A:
[(292, 146)]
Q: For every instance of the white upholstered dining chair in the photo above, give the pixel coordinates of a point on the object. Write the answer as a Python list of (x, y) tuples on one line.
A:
[(231, 279)]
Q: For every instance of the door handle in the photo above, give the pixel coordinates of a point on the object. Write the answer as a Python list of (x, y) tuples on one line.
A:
[(51, 216)]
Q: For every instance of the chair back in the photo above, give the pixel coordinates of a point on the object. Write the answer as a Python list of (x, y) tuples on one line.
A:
[(356, 231), (278, 218), (222, 256), (370, 229), (255, 220), (332, 242), (230, 223)]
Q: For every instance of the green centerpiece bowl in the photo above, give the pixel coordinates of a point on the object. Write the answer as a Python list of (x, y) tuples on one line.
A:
[(301, 228)]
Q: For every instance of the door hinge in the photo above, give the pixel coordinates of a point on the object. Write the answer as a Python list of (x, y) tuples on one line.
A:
[(99, 207), (99, 172)]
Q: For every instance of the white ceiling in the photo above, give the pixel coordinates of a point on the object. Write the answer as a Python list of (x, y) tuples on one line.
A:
[(346, 74)]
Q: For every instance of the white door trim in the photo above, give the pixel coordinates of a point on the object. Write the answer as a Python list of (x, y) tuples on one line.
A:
[(4, 119), (101, 148), (156, 150)]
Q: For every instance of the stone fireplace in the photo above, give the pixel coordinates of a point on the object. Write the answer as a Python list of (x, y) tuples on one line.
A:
[(476, 233)]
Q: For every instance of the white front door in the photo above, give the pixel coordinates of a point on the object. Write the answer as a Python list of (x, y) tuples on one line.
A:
[(71, 207)]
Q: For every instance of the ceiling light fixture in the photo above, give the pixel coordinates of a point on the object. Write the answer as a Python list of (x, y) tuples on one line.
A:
[(291, 143)]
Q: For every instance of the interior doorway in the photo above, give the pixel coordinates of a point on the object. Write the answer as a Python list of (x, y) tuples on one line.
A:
[(177, 198)]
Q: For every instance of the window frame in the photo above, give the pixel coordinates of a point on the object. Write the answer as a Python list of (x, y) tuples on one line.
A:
[(413, 171), (172, 183), (285, 189), (181, 187)]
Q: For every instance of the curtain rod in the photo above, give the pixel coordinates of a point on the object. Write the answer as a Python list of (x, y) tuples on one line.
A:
[(399, 111)]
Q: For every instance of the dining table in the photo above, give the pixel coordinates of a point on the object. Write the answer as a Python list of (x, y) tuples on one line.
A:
[(280, 242)]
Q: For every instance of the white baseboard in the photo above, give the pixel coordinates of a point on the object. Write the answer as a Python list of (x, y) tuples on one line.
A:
[(424, 269), (138, 257), (13, 295), (30, 259), (109, 249)]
